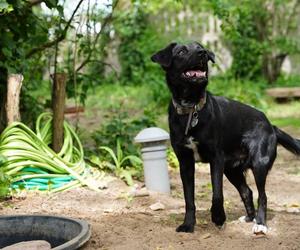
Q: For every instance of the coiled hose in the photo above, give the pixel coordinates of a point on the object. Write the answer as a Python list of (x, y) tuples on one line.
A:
[(32, 164)]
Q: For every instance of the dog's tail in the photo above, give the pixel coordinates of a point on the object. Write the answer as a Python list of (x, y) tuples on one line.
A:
[(290, 143)]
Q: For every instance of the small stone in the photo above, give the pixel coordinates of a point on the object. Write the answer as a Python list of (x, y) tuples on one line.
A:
[(108, 210), (294, 204), (139, 192), (96, 183), (157, 206), (206, 236), (293, 210)]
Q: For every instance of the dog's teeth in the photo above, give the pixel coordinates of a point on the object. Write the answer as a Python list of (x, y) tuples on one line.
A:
[(195, 73)]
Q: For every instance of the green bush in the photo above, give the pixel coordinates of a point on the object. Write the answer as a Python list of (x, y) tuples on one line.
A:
[(120, 127), (120, 163), (288, 81), (246, 91)]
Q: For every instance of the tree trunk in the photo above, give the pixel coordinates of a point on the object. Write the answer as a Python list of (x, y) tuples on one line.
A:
[(58, 107), (14, 85), (272, 67)]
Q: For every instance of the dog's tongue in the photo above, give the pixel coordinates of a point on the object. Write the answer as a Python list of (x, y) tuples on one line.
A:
[(197, 73)]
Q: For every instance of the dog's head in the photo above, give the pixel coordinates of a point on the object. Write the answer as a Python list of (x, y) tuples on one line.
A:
[(186, 66)]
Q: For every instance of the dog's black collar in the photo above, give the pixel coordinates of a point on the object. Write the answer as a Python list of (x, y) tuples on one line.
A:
[(191, 110), (184, 110)]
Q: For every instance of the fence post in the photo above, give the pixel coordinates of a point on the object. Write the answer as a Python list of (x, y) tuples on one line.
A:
[(14, 85), (58, 107)]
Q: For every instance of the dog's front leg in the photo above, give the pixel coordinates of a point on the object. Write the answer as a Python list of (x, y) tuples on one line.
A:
[(217, 209), (187, 173)]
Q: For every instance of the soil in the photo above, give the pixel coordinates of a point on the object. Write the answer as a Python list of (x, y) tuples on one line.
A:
[(121, 222)]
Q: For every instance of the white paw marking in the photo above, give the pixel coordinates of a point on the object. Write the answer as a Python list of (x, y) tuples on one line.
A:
[(242, 219), (259, 229)]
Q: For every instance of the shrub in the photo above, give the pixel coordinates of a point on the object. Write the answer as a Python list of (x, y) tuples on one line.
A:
[(120, 127)]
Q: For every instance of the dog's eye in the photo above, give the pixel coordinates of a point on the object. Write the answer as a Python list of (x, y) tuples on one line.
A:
[(181, 52)]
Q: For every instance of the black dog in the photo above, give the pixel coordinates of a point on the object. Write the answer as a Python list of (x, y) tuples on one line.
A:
[(229, 135)]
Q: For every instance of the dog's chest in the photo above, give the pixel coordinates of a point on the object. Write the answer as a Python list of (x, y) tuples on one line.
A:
[(192, 144)]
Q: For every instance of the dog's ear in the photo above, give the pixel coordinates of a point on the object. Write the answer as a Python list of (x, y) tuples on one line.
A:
[(164, 56), (211, 56)]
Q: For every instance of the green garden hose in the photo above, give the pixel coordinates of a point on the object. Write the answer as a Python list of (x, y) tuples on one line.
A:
[(32, 164)]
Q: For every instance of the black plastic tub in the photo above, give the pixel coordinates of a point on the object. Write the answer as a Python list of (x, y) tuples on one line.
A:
[(60, 232)]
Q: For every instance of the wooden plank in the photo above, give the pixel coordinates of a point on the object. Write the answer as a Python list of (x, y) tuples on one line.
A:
[(286, 92), (73, 109)]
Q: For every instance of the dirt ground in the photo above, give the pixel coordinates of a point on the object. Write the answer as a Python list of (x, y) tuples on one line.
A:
[(119, 222)]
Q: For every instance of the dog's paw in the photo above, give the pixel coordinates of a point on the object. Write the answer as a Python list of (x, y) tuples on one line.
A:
[(246, 219), (259, 229), (186, 228), (218, 217), (222, 227)]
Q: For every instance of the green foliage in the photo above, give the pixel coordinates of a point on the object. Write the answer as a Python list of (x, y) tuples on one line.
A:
[(246, 91), (120, 162), (172, 159), (23, 29), (5, 7), (288, 81), (241, 35), (4, 181), (160, 93), (86, 55), (138, 41), (115, 140), (286, 121), (259, 34), (131, 28), (285, 114), (120, 128)]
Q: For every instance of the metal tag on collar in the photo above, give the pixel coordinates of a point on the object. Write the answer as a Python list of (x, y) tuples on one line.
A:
[(195, 120)]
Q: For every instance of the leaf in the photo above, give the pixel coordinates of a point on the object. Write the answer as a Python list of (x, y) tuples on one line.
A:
[(133, 159), (95, 159), (124, 174), (51, 3), (5, 7), (119, 151), (112, 154), (4, 191), (60, 10), (6, 52), (2, 160), (109, 165)]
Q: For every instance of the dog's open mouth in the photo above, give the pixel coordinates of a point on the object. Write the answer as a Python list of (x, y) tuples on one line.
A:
[(195, 73)]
